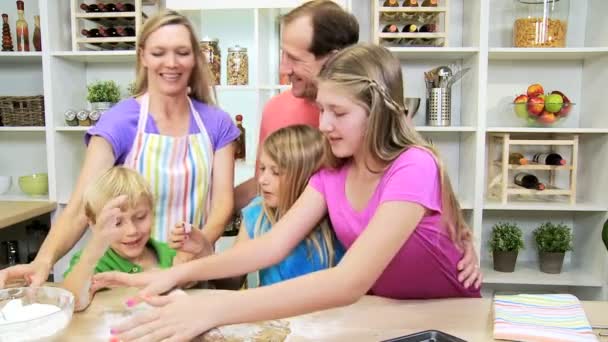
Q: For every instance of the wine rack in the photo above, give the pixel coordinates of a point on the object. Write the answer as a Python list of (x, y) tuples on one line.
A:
[(401, 16), (500, 185), (83, 20)]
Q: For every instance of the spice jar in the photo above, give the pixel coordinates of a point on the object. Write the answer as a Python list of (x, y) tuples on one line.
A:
[(540, 23), (94, 116), (211, 52), (83, 118), (70, 118), (238, 66)]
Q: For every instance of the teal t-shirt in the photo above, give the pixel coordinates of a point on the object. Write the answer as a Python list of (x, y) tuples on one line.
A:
[(301, 261), (111, 261)]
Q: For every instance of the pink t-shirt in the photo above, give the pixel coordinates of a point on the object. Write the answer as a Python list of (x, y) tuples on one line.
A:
[(425, 266), (285, 110)]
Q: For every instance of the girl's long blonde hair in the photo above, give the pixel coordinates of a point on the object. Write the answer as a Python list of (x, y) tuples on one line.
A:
[(372, 76), (299, 151), (200, 79)]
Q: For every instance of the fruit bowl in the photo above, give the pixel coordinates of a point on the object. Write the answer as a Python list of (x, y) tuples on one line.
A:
[(36, 184), (539, 109), (34, 313)]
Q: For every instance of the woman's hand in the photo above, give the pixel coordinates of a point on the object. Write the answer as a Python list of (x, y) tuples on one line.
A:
[(34, 274), (468, 267), (177, 317)]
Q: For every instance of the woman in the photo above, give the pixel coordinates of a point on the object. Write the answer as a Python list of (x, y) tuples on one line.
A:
[(170, 132), (389, 199)]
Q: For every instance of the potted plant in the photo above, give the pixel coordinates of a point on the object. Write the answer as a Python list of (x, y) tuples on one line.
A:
[(553, 241), (103, 94), (505, 242)]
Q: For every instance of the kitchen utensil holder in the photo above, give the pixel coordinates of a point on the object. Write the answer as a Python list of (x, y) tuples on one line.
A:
[(439, 107)]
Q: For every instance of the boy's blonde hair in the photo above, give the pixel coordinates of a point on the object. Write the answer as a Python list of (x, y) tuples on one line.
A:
[(115, 182), (200, 79), (372, 76), (299, 151)]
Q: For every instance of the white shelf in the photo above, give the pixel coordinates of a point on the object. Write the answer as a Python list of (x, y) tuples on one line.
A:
[(445, 129), (547, 130), (72, 128), (97, 56), (414, 9), (544, 206), (22, 129), (21, 197), (529, 273), (20, 57), (545, 53), (235, 88), (433, 52), (274, 87)]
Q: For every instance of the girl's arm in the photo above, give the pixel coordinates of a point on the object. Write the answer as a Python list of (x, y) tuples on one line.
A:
[(222, 188)]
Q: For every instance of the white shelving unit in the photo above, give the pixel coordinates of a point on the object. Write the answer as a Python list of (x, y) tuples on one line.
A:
[(479, 38)]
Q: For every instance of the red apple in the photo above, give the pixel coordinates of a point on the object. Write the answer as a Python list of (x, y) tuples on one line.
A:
[(535, 89), (520, 106), (547, 118), (536, 105), (567, 106)]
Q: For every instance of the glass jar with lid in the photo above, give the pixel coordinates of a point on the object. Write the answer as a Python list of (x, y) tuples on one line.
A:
[(211, 52), (540, 23), (238, 66)]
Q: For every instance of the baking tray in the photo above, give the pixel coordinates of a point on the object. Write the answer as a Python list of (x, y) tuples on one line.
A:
[(427, 336)]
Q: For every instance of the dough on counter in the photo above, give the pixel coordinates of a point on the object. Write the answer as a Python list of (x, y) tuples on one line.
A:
[(270, 331)]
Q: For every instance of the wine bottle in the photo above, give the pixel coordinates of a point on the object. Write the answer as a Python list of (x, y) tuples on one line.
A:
[(90, 8), (410, 28), (428, 28), (125, 31), (125, 7), (517, 159), (528, 181), (551, 158), (429, 3), (109, 7), (240, 141), (391, 3), (108, 32), (92, 33), (410, 3)]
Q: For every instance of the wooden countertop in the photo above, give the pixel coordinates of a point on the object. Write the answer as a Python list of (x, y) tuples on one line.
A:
[(370, 319), (15, 212)]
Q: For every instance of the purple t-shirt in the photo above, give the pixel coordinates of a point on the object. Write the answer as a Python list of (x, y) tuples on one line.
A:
[(119, 126), (425, 266)]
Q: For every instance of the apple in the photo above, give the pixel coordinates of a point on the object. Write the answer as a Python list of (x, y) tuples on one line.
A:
[(567, 106), (547, 117), (535, 89), (520, 106), (553, 103), (531, 121), (536, 105)]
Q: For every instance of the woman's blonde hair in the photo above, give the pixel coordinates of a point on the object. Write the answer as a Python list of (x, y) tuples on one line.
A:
[(200, 79), (299, 151), (117, 181), (372, 76)]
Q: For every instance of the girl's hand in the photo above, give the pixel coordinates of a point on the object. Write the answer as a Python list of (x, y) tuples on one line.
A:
[(175, 318), (190, 240)]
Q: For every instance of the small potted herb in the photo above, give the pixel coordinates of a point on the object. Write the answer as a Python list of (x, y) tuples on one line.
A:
[(553, 241), (505, 242), (103, 94)]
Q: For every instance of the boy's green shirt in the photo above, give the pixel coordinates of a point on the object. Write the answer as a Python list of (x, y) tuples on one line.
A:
[(111, 261)]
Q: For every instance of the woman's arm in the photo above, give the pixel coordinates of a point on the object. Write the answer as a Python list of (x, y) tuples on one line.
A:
[(222, 190), (71, 223)]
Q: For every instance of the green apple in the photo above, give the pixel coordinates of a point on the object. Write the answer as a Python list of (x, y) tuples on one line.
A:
[(553, 103)]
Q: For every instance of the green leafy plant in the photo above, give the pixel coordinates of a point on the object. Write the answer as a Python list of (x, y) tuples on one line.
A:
[(103, 91), (553, 238), (506, 237)]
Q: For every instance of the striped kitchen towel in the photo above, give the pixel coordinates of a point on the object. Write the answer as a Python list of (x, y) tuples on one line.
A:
[(540, 318)]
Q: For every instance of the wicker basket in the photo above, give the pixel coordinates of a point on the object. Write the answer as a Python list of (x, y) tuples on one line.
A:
[(22, 110)]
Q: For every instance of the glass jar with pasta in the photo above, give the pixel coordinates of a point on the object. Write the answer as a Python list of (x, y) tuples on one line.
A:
[(211, 52), (540, 23), (238, 66)]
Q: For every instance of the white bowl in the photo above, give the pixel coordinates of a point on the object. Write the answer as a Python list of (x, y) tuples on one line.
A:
[(5, 184), (45, 327)]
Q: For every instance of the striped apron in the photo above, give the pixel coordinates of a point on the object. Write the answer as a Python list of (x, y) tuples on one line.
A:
[(178, 170)]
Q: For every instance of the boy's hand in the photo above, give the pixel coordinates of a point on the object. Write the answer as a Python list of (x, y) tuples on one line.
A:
[(107, 228), (189, 240)]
